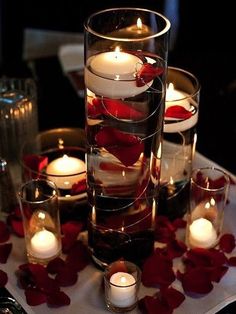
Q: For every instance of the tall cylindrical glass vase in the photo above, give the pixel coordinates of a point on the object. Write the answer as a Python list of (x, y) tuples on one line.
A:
[(125, 78)]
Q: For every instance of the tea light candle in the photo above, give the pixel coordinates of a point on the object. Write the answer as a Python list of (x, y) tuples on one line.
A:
[(139, 28), (44, 244), (123, 289), (202, 233), (65, 171), (112, 74)]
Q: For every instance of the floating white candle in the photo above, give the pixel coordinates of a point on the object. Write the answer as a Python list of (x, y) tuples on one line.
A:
[(65, 171), (123, 289), (202, 233), (44, 244)]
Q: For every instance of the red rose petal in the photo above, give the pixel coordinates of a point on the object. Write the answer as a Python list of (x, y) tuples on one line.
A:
[(66, 276), (232, 261), (5, 250), (153, 305), (17, 227), (173, 297), (55, 265), (79, 187), (197, 280), (78, 257), (147, 73), (227, 243), (127, 148), (35, 162), (58, 299), (205, 257), (176, 248), (4, 232), (3, 278), (35, 297), (218, 272), (177, 112), (179, 223), (70, 230), (164, 230)]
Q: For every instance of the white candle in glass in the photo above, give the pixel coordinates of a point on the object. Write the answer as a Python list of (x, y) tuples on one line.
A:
[(44, 244), (122, 289), (112, 74), (65, 171), (202, 233)]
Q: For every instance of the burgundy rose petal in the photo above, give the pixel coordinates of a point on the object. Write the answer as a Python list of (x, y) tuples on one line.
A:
[(164, 230), (177, 112), (179, 223), (71, 228), (205, 257), (157, 270), (227, 243), (153, 305), (79, 187), (197, 280), (4, 232), (35, 297), (232, 261), (58, 298), (94, 108), (176, 248), (35, 162), (55, 265), (3, 278), (173, 297), (5, 250), (147, 73), (78, 257), (17, 227), (218, 272), (66, 276)]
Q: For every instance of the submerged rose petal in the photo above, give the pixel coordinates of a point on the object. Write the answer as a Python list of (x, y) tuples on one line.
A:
[(177, 112), (147, 73), (127, 148), (4, 232), (79, 187), (3, 278), (197, 280), (58, 299), (5, 250), (35, 297), (227, 243)]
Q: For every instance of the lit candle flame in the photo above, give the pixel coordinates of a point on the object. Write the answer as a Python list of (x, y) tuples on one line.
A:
[(139, 23)]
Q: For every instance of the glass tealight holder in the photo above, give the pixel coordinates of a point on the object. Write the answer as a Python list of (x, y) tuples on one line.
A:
[(59, 155), (122, 281), (208, 196), (39, 207)]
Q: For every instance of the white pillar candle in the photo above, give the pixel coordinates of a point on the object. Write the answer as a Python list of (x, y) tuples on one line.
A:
[(202, 233), (44, 244), (65, 171), (122, 289), (175, 97), (112, 74)]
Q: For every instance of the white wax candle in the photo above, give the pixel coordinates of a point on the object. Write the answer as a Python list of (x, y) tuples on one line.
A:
[(44, 244), (176, 97), (112, 74), (202, 233), (123, 289), (65, 171)]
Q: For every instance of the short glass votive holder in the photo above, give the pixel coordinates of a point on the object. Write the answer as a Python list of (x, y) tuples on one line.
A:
[(59, 155), (122, 281), (39, 207), (208, 196)]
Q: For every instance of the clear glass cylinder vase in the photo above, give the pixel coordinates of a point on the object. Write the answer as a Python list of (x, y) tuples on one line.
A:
[(125, 77)]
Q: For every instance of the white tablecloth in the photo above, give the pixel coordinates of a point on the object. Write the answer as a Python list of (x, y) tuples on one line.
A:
[(87, 297)]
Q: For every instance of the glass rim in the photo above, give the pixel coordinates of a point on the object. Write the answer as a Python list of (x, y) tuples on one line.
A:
[(218, 170), (49, 183), (158, 34), (196, 89)]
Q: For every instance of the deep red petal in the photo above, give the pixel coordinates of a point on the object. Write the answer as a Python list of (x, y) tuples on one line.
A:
[(5, 250), (153, 305), (232, 261), (55, 265), (4, 232), (79, 187), (35, 297), (218, 272), (71, 228), (147, 73), (227, 243), (58, 299), (177, 112), (179, 223), (176, 248), (3, 278), (66, 276), (78, 257), (17, 227), (197, 280), (173, 297), (35, 162)]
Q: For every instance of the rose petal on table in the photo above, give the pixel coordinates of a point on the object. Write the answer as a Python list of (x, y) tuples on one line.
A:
[(71, 231), (5, 250), (218, 272), (205, 257), (147, 73), (55, 265), (4, 232), (172, 296), (17, 227), (227, 242), (179, 223), (232, 261), (177, 112), (197, 280), (153, 305), (176, 248), (164, 230), (78, 257), (59, 298), (3, 278), (35, 297), (127, 148), (66, 276)]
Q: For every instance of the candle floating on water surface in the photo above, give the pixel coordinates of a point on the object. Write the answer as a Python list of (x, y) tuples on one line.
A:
[(202, 233), (44, 244)]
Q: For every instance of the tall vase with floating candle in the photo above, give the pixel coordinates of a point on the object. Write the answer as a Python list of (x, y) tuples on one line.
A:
[(125, 78)]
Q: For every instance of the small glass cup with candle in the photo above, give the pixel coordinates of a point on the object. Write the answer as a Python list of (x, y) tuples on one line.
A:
[(208, 195), (39, 207), (122, 281), (179, 141)]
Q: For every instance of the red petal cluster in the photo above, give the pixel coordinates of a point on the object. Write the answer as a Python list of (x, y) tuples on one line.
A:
[(16, 223), (113, 107), (3, 278), (4, 232), (177, 112), (147, 73), (70, 231), (127, 148), (227, 243), (5, 250), (36, 163)]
